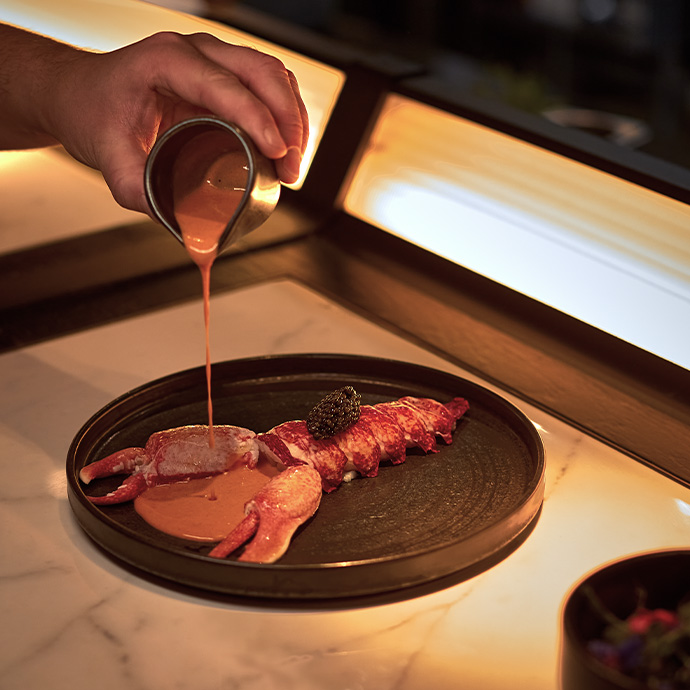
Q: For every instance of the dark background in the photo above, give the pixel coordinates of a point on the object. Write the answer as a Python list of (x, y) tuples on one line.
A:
[(627, 58)]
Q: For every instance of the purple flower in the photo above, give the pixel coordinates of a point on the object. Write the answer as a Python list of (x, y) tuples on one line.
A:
[(606, 652), (630, 653)]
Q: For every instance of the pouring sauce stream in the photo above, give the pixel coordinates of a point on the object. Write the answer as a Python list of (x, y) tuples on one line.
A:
[(209, 183)]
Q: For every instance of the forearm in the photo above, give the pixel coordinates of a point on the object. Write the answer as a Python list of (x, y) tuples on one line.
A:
[(31, 70)]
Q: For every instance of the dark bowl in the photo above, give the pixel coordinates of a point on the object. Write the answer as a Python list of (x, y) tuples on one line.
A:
[(664, 575)]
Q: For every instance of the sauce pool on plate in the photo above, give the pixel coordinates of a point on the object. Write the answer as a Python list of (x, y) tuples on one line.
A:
[(205, 509)]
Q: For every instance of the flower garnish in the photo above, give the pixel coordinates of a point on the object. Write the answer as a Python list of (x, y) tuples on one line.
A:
[(650, 645)]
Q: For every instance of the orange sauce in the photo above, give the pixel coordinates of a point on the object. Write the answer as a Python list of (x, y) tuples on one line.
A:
[(202, 216), (209, 182), (204, 509)]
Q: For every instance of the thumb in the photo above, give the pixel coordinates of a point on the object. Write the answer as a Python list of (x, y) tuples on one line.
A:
[(123, 172)]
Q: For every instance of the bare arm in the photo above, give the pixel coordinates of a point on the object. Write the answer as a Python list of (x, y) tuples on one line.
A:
[(28, 64), (107, 109)]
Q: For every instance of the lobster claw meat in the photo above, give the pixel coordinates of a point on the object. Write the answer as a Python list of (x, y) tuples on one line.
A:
[(173, 455), (273, 516)]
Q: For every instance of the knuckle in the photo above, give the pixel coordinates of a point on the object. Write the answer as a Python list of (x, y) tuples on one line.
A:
[(268, 63), (165, 40), (202, 38), (158, 49)]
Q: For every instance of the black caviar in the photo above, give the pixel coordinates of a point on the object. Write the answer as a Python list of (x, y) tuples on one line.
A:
[(338, 411)]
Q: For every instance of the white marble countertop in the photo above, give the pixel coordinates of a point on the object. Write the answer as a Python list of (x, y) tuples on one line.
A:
[(74, 618), (46, 196)]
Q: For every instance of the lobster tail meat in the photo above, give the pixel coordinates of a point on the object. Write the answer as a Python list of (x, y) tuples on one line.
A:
[(388, 433), (361, 447), (324, 456), (457, 408), (383, 432), (423, 419), (439, 419), (413, 425)]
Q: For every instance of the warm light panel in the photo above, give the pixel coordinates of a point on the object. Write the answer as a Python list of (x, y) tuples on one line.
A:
[(601, 249)]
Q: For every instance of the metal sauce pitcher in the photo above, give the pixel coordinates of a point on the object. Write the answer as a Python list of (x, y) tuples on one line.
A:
[(192, 148)]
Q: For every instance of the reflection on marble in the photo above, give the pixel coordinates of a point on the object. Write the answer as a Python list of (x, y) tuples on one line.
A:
[(74, 618), (48, 196)]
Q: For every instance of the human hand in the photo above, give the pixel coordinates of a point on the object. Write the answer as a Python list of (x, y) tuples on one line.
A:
[(107, 109), (119, 102)]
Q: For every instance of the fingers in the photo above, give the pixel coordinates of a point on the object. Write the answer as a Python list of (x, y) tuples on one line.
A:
[(303, 114), (143, 89), (289, 166), (238, 84), (268, 80)]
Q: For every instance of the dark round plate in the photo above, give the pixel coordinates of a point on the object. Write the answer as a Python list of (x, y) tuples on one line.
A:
[(433, 516)]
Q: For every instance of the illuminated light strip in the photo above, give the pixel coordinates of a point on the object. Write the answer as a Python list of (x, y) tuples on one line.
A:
[(610, 253)]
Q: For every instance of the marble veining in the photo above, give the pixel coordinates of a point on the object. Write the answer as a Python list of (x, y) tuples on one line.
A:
[(73, 617)]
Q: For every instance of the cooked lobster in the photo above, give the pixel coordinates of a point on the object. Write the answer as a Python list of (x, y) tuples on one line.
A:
[(382, 432)]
